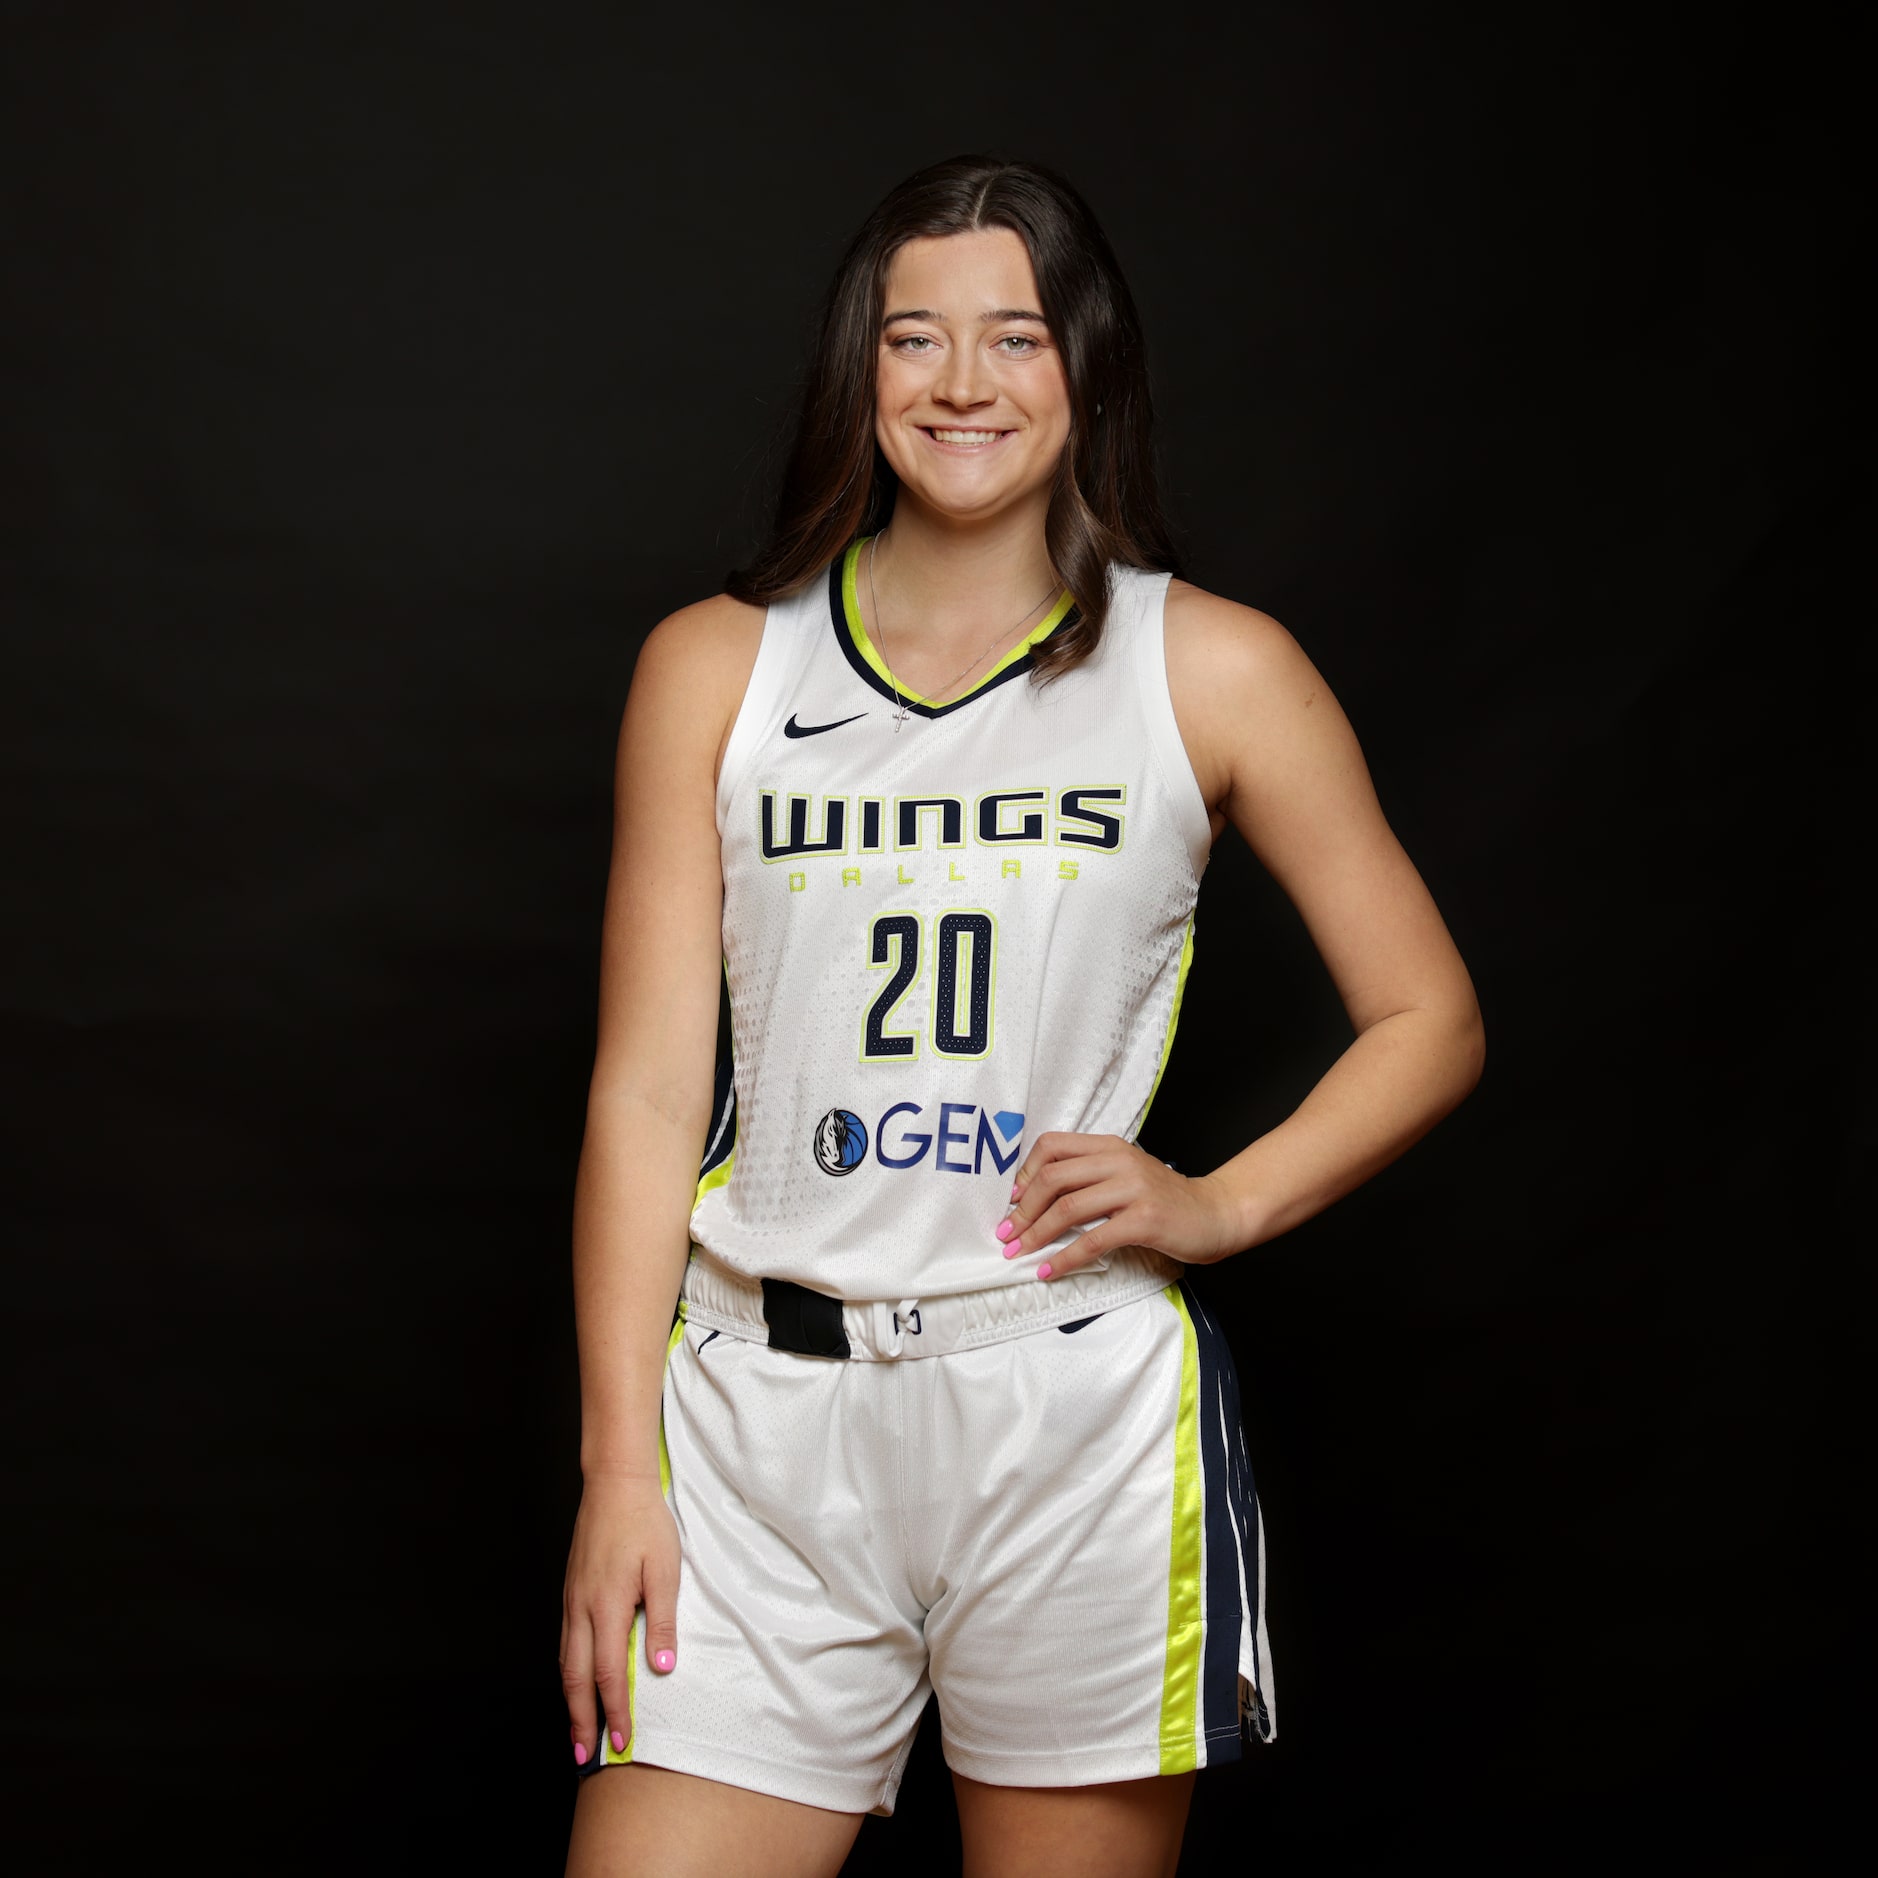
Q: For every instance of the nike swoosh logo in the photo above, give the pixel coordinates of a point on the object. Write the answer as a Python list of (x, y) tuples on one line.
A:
[(793, 729)]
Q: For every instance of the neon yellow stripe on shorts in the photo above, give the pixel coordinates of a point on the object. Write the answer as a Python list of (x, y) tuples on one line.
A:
[(1180, 1683), (636, 1642)]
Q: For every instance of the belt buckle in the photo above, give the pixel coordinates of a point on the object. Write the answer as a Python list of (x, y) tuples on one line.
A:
[(903, 1326)]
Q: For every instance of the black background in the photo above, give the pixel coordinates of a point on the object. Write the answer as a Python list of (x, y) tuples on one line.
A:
[(376, 376)]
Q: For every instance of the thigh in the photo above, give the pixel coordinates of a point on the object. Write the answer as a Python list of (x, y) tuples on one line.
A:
[(1120, 1829), (649, 1822), (1097, 1557), (801, 1668)]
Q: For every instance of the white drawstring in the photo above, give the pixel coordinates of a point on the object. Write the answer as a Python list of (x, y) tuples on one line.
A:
[(907, 1311)]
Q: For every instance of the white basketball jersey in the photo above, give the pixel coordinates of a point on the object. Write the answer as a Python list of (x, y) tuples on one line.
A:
[(943, 937)]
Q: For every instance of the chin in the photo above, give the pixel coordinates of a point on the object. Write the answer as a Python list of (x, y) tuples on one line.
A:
[(974, 509), (967, 503)]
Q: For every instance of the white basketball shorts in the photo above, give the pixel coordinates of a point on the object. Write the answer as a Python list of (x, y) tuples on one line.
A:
[(1056, 1531)]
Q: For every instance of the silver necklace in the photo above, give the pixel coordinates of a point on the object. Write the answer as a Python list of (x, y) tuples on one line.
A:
[(880, 626)]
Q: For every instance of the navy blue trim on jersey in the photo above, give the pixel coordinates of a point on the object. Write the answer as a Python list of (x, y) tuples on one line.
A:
[(723, 1136), (1255, 1719), (873, 680), (1219, 1661)]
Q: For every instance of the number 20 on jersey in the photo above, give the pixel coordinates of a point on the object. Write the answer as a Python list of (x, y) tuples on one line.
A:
[(961, 946)]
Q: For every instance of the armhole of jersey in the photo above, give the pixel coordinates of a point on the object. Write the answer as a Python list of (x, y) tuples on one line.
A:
[(1157, 704), (759, 697)]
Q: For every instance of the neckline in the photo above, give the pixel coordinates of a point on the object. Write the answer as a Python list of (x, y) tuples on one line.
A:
[(845, 604)]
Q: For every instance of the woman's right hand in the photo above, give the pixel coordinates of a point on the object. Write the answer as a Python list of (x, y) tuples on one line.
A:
[(625, 1554)]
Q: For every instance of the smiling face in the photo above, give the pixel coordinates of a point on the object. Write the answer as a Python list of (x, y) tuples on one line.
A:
[(971, 403)]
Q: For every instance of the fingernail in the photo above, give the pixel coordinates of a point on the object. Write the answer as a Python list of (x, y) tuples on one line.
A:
[(1015, 1247), (580, 1755), (1006, 1229), (1043, 1271), (1015, 1191), (619, 1742), (662, 1661)]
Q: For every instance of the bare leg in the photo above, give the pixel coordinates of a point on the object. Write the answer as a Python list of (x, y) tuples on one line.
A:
[(1122, 1829), (649, 1822)]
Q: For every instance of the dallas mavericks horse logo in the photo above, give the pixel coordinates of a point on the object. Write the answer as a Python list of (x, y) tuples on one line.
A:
[(840, 1142)]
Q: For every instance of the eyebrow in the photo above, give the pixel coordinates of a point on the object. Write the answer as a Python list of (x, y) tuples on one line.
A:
[(994, 317)]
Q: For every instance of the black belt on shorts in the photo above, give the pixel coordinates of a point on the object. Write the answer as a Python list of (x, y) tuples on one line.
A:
[(807, 1322)]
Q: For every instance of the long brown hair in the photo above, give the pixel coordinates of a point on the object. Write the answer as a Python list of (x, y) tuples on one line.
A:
[(1105, 505)]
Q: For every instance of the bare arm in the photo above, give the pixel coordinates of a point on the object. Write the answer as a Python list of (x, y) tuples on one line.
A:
[(648, 1108), (1273, 750), (1275, 755)]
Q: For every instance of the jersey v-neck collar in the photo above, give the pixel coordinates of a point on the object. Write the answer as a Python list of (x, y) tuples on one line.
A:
[(844, 608)]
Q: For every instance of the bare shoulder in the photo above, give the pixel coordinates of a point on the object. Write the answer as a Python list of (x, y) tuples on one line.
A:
[(1243, 688), (1213, 641), (712, 638), (689, 681)]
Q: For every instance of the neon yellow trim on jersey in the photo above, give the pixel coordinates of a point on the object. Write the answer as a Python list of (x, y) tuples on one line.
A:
[(607, 1756), (665, 1460), (1173, 1021), (719, 1176), (635, 1641), (851, 609), (1180, 1685)]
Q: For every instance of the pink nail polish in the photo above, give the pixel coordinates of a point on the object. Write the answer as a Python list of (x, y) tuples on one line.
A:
[(580, 1755), (1005, 1229), (1043, 1271), (619, 1742), (662, 1661), (1015, 1247)]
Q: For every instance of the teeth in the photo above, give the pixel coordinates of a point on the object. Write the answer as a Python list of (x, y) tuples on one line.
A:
[(967, 436)]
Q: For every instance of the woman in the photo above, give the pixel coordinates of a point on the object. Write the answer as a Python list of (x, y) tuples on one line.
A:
[(937, 779)]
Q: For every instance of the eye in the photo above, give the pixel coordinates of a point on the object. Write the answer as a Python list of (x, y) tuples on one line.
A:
[(1018, 344), (916, 343)]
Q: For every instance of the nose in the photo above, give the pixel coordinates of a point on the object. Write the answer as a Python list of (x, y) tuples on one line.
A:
[(965, 380)]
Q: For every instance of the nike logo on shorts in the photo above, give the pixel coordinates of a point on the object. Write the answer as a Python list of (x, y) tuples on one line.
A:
[(793, 729)]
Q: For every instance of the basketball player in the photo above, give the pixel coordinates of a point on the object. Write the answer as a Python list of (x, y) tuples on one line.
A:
[(909, 1392)]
